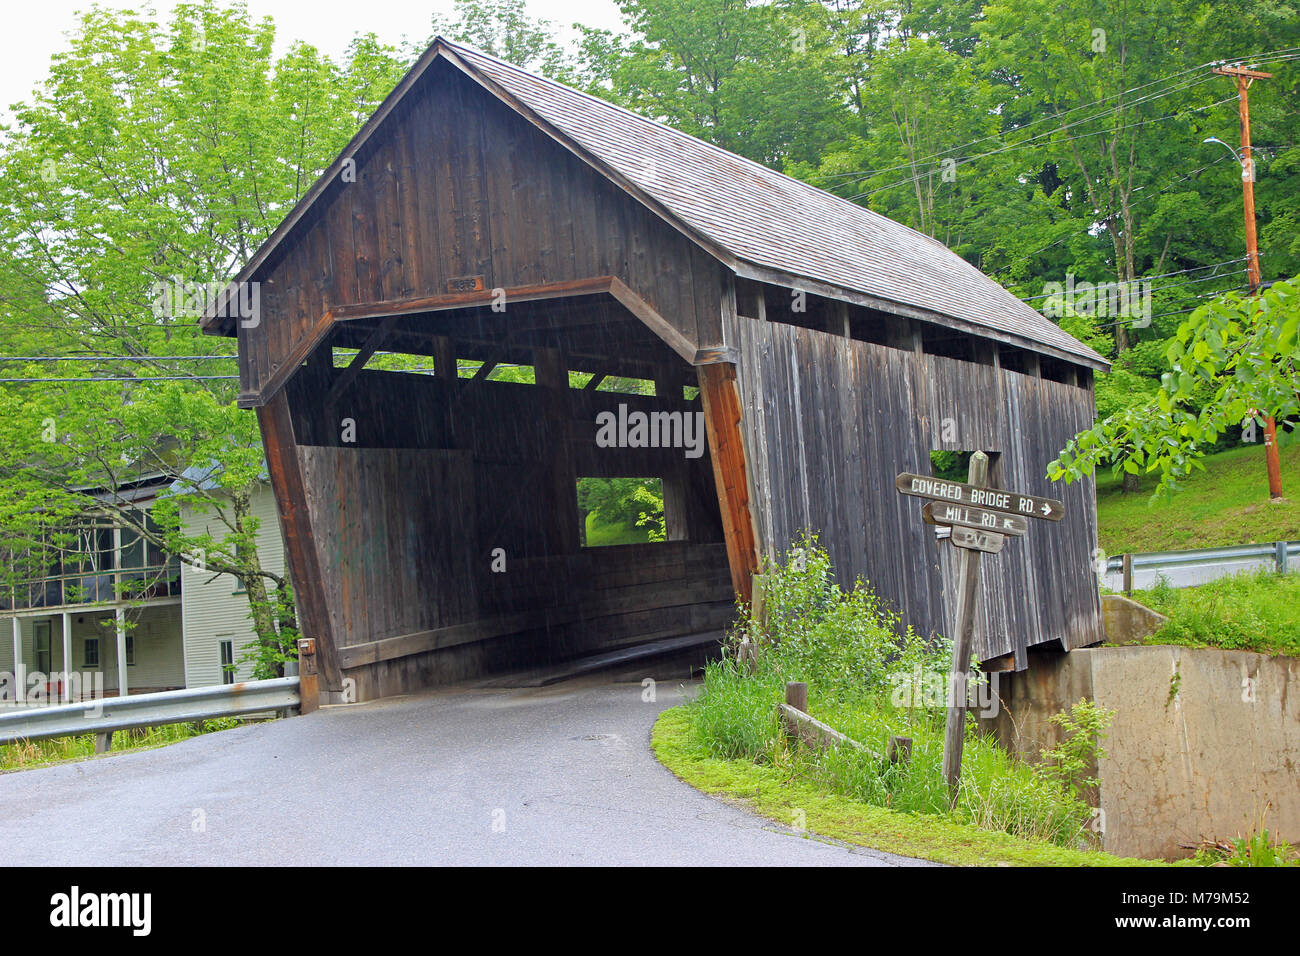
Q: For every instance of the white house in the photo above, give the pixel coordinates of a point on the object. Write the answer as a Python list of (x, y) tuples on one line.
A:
[(74, 637), (215, 619)]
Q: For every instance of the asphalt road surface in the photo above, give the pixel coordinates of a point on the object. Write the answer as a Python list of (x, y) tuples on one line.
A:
[(561, 775)]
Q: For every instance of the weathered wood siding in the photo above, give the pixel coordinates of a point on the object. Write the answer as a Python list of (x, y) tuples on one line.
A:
[(455, 183), (829, 423)]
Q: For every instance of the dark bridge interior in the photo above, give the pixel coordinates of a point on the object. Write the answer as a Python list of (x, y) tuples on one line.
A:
[(443, 503)]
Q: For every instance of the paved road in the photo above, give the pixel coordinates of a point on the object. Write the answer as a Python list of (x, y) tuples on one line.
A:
[(560, 775)]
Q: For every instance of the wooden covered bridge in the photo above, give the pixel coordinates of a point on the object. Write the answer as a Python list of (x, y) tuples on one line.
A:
[(485, 214)]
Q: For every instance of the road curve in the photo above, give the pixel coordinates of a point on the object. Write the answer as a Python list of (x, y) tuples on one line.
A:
[(561, 775)]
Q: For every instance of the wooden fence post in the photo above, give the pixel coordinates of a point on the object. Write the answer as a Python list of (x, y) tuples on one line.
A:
[(968, 580), (308, 681)]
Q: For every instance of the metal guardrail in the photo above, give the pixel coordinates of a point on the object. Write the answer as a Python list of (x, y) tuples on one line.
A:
[(108, 714), (1236, 552), (1206, 564)]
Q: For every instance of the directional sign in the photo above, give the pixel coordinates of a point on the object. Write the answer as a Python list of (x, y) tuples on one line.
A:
[(973, 540), (957, 492), (942, 512)]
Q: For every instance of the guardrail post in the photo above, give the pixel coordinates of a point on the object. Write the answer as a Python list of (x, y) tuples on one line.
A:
[(1128, 575), (1279, 549), (104, 742), (308, 680)]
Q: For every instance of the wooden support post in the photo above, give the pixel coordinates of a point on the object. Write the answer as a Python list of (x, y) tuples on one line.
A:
[(300, 548), (899, 750), (796, 695), (967, 593), (668, 386), (747, 657), (727, 450), (1127, 587), (308, 681), (444, 357), (758, 609), (560, 488)]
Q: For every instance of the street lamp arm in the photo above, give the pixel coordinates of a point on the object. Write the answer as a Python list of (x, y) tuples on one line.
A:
[(1215, 139)]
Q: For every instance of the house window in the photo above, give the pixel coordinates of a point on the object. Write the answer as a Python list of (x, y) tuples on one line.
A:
[(41, 644), (130, 650), (91, 652), (227, 662)]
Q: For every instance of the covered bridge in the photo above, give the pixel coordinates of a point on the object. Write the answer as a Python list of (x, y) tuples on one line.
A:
[(487, 214)]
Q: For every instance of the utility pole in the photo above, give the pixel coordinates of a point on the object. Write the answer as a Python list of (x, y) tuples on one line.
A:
[(1244, 78)]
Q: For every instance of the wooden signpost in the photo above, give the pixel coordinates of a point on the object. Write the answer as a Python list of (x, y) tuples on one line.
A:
[(980, 519)]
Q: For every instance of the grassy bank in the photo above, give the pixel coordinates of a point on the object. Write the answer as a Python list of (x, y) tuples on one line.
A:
[(40, 753), (870, 677), (1225, 504), (1256, 611), (784, 795)]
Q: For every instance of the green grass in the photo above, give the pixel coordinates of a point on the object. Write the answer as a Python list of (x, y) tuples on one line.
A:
[(781, 794), (1225, 504), (600, 534), (734, 718), (26, 755), (1254, 611)]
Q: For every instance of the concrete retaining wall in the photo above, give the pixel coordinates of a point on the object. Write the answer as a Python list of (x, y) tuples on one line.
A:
[(1204, 743)]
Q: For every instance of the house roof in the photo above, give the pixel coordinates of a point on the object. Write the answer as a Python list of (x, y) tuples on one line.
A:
[(760, 222)]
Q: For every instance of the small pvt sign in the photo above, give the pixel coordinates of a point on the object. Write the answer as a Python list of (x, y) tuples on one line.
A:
[(980, 520)]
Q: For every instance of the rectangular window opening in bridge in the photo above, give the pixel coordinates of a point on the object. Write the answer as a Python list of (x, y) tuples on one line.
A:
[(615, 511)]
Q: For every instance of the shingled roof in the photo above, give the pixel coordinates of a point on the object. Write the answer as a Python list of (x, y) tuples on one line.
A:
[(761, 223)]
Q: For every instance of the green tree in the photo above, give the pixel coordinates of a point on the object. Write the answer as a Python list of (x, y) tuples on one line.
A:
[(1231, 365), (154, 157), (504, 29)]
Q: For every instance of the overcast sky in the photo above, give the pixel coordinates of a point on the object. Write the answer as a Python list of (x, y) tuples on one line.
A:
[(35, 29)]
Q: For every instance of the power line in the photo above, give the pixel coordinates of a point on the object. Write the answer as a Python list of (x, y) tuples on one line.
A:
[(124, 378), (1286, 53), (1005, 147), (1030, 142), (114, 358), (1166, 275)]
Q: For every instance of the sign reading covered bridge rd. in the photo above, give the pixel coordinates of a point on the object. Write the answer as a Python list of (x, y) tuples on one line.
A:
[(981, 518)]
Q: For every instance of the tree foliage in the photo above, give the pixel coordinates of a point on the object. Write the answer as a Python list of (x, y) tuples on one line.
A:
[(1231, 364)]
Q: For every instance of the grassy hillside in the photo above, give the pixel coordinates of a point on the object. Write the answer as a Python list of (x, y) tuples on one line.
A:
[(1225, 504), (600, 534)]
